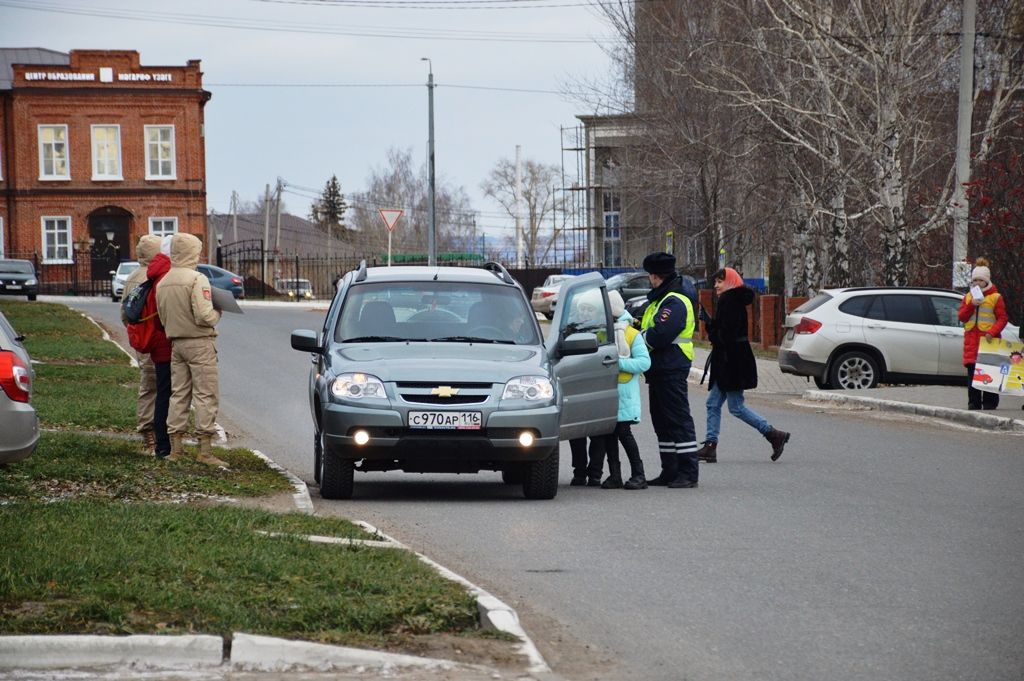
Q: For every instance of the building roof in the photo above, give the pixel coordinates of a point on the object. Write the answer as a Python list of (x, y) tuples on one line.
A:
[(27, 55), (298, 236)]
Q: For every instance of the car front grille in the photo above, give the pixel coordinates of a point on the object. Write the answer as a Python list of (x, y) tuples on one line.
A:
[(437, 399)]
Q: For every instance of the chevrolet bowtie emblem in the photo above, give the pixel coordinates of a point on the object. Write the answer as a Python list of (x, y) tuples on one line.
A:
[(444, 391)]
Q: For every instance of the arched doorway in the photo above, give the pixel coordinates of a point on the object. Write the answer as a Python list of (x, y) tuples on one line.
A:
[(109, 230)]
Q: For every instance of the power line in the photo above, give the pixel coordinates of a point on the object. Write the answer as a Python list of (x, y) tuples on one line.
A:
[(386, 85), (279, 26)]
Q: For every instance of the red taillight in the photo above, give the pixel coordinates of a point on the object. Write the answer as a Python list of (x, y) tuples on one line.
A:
[(547, 294), (807, 325), (14, 377), (236, 280)]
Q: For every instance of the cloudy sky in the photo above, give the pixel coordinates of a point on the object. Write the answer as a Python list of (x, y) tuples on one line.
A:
[(303, 89)]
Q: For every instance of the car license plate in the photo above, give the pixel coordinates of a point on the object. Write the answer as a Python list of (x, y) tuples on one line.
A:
[(14, 287), (445, 420), (789, 335)]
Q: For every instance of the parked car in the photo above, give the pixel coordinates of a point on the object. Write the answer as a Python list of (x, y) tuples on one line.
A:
[(544, 296), (120, 276), (630, 284), (443, 369), (19, 424), (18, 277), (853, 338), (636, 305), (222, 278), (295, 289)]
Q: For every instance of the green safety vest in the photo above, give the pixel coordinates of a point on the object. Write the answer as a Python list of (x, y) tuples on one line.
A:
[(685, 338)]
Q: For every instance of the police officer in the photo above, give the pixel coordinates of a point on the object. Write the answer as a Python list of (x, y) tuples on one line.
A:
[(667, 325), (184, 301), (154, 381)]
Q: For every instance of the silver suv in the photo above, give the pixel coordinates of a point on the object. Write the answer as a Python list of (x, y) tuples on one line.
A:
[(857, 337), (444, 369)]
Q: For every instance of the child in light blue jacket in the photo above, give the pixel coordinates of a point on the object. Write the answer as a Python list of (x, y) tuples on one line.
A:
[(634, 359)]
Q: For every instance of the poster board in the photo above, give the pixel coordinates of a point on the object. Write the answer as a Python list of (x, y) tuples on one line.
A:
[(1000, 366)]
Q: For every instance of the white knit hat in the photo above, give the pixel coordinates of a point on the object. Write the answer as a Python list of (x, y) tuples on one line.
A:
[(982, 272), (616, 304)]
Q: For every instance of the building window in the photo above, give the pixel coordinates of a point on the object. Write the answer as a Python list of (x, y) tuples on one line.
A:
[(160, 152), (106, 152), (163, 226), (53, 153), (56, 240), (612, 205)]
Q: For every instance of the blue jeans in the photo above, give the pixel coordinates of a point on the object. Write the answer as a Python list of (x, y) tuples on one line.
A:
[(736, 407)]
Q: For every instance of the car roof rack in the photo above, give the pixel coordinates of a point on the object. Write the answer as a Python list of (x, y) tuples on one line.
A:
[(500, 272), (361, 271)]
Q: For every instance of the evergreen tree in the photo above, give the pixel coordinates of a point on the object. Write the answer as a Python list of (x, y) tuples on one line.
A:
[(328, 211)]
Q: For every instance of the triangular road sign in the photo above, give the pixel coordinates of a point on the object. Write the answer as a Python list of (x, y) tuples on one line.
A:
[(390, 216)]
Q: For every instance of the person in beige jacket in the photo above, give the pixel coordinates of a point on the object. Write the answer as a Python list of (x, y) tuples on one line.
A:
[(185, 303), (145, 409)]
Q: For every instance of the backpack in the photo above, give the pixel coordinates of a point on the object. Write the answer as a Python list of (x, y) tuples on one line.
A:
[(142, 334), (132, 304)]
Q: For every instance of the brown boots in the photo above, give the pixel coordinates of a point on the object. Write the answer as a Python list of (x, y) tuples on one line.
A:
[(148, 440), (708, 453), (778, 439), (206, 452)]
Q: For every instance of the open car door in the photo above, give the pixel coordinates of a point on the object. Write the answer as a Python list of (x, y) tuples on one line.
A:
[(584, 359)]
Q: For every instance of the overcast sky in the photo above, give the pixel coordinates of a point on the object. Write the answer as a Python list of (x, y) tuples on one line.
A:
[(305, 134)]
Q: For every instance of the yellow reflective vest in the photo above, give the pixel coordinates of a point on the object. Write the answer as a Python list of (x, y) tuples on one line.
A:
[(685, 338)]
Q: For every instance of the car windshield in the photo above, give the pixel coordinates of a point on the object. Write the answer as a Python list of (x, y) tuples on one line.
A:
[(127, 267), (430, 311), (813, 304), (618, 280), (556, 279), (16, 267)]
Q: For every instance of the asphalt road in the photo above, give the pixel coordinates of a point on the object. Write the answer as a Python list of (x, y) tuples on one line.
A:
[(882, 548)]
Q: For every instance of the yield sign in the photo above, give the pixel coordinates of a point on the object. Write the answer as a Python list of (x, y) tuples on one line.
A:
[(390, 216)]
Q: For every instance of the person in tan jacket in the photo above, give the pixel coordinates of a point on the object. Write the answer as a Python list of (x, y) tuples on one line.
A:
[(145, 409), (185, 303)]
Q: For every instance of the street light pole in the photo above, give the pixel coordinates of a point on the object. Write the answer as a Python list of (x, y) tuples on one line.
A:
[(432, 230), (965, 110)]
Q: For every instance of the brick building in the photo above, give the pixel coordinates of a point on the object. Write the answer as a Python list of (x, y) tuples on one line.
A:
[(95, 151)]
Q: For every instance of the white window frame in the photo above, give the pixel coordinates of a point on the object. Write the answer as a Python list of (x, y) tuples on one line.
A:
[(95, 152), (56, 260), (1, 236), (149, 158), (173, 220), (42, 155)]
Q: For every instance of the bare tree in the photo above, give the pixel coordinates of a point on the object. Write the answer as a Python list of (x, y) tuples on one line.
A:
[(399, 185), (538, 200)]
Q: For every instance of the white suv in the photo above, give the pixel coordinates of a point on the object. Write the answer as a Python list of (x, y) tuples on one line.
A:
[(857, 337)]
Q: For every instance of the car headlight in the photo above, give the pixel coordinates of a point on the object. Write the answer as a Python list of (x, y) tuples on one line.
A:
[(355, 386), (30, 282), (532, 388)]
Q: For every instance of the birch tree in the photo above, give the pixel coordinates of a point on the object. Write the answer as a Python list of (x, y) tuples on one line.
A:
[(539, 202)]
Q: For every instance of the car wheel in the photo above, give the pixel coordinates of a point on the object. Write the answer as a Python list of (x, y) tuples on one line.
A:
[(854, 370), (541, 477), (31, 296), (318, 455), (336, 476), (113, 298), (513, 474), (822, 383)]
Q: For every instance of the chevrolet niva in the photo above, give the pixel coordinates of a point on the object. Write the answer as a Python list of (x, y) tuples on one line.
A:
[(445, 369)]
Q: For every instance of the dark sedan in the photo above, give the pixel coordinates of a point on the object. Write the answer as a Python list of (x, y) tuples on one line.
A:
[(221, 278), (18, 278)]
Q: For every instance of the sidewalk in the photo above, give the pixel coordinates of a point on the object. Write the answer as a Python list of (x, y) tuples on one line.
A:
[(937, 401)]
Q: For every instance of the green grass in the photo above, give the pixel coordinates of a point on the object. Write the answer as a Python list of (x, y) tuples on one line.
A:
[(132, 568), (54, 333), (71, 465), (87, 397)]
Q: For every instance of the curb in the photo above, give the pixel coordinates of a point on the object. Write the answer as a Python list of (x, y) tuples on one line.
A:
[(164, 652), (303, 502), (269, 654), (970, 418)]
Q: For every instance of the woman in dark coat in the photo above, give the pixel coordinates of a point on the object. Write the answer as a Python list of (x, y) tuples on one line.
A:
[(732, 364)]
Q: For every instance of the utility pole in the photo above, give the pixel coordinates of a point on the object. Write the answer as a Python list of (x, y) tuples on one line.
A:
[(277, 239), (519, 207), (234, 214), (965, 113), (266, 234), (432, 229)]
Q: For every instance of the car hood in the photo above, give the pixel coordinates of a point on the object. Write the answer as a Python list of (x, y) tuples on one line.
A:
[(449, 362), (16, 276)]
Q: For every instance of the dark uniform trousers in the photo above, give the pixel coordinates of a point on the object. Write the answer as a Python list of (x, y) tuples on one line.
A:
[(673, 424)]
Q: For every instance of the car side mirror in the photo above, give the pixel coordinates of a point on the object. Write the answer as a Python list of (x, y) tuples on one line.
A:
[(305, 340), (579, 344)]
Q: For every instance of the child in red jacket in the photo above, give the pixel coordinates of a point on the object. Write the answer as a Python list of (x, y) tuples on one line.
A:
[(983, 315)]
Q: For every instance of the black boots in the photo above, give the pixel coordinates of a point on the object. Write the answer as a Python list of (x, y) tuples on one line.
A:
[(709, 452), (686, 464), (669, 471), (778, 438)]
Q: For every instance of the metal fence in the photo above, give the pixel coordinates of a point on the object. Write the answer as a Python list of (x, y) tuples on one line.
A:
[(85, 275)]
